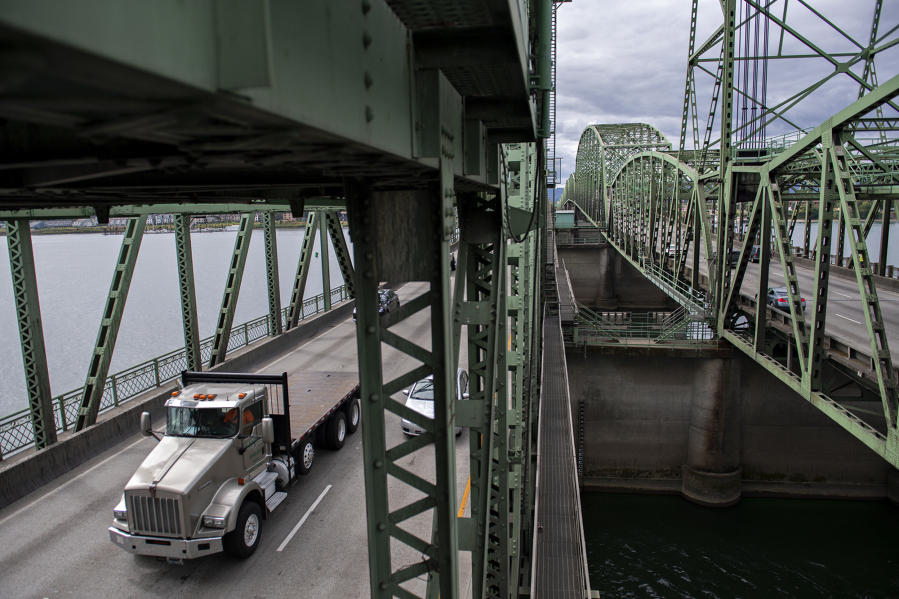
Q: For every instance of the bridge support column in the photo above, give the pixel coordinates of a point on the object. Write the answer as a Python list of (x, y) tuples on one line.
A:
[(712, 475)]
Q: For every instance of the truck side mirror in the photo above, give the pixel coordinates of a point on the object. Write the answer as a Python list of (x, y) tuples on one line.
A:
[(268, 430), (146, 427)]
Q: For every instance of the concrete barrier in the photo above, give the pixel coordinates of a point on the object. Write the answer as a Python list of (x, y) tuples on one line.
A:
[(22, 475)]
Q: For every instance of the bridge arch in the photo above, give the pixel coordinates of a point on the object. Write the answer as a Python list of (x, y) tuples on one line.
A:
[(602, 151)]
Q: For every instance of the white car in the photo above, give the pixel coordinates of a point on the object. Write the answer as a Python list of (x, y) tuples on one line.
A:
[(421, 399)]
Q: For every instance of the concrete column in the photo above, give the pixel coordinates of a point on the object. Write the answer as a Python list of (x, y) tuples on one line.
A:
[(893, 486), (712, 475), (606, 297)]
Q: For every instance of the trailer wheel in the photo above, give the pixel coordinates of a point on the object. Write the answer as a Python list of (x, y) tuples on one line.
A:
[(337, 430), (243, 540), (353, 415), (305, 456)]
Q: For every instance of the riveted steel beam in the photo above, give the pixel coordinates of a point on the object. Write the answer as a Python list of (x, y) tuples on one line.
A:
[(303, 264), (236, 266), (273, 285), (326, 262), (341, 252), (95, 384), (188, 292), (31, 332)]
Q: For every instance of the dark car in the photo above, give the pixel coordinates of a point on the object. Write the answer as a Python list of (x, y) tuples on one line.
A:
[(387, 301), (755, 254), (778, 298), (734, 259)]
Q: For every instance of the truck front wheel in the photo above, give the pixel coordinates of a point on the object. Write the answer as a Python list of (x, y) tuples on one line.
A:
[(243, 540)]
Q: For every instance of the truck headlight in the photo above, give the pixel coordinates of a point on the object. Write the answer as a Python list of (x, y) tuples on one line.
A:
[(214, 521), (120, 514)]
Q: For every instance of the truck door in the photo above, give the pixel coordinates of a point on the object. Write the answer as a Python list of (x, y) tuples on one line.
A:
[(254, 449)]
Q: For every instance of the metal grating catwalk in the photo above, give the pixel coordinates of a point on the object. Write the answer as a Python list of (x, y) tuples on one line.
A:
[(560, 552)]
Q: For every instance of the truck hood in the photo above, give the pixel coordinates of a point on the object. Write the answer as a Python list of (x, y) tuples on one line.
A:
[(177, 463)]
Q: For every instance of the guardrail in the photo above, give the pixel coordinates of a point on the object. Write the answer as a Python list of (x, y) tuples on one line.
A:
[(17, 433), (625, 328)]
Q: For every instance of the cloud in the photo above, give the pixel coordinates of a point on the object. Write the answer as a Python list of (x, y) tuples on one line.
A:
[(626, 62)]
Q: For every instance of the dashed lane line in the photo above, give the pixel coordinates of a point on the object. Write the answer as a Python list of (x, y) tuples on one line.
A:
[(300, 523), (847, 318)]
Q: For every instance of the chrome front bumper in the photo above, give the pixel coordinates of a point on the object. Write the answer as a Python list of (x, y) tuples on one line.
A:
[(165, 547)]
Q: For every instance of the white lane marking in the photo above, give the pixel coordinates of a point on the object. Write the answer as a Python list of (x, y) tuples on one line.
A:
[(849, 319), (67, 483), (300, 523), (843, 294)]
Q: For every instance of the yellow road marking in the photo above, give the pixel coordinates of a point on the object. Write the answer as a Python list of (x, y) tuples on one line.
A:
[(465, 497)]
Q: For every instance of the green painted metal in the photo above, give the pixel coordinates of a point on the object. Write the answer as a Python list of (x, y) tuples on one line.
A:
[(305, 260), (341, 252), (31, 332), (271, 274), (98, 368), (188, 292), (326, 262), (694, 198), (225, 316)]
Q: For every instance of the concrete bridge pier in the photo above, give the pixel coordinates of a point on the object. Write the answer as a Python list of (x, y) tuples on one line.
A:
[(712, 475)]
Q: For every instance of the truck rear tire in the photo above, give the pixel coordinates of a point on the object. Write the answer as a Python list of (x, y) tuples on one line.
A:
[(305, 456), (337, 430), (353, 415), (243, 540)]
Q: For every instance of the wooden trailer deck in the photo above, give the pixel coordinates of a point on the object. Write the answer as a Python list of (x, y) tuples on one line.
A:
[(314, 396)]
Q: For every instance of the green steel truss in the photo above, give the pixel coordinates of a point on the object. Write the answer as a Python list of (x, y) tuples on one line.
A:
[(273, 285), (31, 332), (680, 215), (216, 114), (225, 317), (188, 292), (303, 265), (95, 384)]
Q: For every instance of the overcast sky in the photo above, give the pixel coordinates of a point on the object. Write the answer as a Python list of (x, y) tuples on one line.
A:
[(625, 62)]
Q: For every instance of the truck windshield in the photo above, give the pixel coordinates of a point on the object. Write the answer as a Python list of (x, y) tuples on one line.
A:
[(201, 422)]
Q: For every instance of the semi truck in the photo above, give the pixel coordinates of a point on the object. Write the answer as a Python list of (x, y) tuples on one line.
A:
[(233, 445)]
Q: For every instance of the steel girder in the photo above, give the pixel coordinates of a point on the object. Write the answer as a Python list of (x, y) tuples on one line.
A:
[(799, 352), (341, 252), (31, 332), (273, 285), (101, 357), (225, 317), (303, 264), (188, 292)]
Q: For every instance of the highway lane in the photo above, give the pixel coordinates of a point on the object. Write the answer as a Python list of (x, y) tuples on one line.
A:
[(845, 316), (55, 540)]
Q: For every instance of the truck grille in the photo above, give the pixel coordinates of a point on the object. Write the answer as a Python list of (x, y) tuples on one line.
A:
[(155, 515)]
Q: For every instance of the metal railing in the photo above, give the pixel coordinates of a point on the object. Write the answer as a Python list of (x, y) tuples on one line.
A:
[(17, 433), (626, 328)]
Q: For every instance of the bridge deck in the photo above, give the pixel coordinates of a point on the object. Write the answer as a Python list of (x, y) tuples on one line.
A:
[(560, 558)]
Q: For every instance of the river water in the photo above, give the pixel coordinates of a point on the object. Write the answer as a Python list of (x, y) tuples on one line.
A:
[(665, 546), (73, 276)]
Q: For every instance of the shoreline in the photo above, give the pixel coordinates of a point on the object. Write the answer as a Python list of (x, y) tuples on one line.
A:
[(152, 229)]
